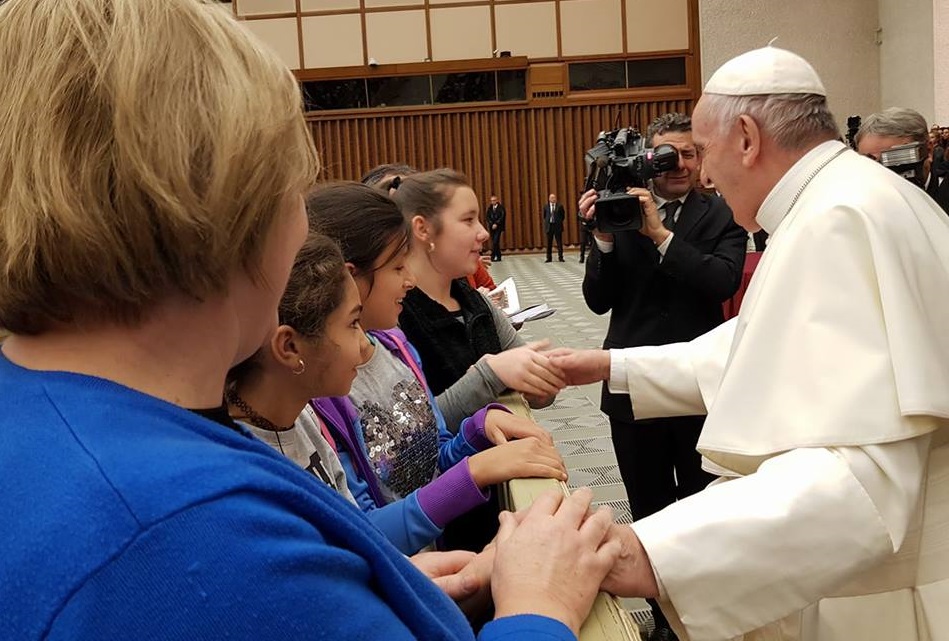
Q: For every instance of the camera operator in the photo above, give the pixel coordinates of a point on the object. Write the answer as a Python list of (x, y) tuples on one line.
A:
[(664, 284), (897, 126)]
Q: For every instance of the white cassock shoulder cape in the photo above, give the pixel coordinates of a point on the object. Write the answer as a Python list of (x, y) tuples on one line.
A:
[(825, 399)]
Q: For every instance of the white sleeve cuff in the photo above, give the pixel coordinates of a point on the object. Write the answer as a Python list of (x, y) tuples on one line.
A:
[(619, 381), (605, 246), (664, 245)]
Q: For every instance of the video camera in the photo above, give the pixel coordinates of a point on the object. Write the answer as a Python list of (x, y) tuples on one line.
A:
[(906, 160), (620, 160)]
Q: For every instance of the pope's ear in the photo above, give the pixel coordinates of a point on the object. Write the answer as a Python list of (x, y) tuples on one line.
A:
[(750, 136)]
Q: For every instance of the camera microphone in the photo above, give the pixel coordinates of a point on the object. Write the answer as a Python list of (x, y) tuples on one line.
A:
[(596, 169), (601, 164)]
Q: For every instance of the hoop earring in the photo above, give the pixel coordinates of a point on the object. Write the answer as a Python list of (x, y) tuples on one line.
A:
[(301, 369)]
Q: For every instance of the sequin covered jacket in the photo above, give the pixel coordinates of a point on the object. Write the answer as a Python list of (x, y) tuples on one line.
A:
[(425, 512)]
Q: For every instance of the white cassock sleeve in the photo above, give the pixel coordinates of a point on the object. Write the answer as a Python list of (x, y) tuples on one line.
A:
[(678, 379), (750, 551)]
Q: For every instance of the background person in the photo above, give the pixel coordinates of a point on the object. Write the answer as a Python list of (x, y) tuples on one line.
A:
[(496, 217), (553, 217), (901, 126)]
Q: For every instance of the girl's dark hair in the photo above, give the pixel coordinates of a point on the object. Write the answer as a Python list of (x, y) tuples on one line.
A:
[(314, 290), (427, 193), (377, 176), (364, 221)]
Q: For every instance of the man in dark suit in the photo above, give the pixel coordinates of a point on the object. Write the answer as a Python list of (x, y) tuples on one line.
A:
[(553, 216), (495, 216), (664, 284)]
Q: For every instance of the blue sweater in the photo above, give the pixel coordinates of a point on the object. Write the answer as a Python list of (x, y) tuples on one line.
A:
[(126, 517)]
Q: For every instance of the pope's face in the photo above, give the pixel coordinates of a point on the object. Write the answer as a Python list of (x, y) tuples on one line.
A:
[(719, 149)]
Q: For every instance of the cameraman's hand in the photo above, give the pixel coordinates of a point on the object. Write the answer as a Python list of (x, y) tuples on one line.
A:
[(588, 210), (652, 226)]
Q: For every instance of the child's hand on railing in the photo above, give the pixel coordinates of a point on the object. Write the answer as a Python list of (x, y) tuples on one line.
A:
[(520, 459), (501, 427)]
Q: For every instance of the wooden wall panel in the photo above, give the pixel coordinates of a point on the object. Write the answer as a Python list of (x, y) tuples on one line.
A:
[(521, 153)]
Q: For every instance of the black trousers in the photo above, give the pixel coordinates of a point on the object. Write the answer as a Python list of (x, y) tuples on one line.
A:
[(555, 233), (496, 244), (659, 465), (586, 237)]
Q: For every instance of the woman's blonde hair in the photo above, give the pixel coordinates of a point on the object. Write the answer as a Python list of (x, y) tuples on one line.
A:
[(146, 149)]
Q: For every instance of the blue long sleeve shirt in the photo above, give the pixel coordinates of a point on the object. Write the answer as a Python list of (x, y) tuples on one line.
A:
[(129, 517)]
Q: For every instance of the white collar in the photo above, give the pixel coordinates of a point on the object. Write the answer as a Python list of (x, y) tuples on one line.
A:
[(778, 203), (661, 202)]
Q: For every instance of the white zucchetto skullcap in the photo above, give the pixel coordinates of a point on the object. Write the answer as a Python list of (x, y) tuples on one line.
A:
[(765, 71)]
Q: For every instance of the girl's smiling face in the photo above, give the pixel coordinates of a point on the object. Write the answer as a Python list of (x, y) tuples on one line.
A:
[(459, 235), (383, 289), (341, 348)]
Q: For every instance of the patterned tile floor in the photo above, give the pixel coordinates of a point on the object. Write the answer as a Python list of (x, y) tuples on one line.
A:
[(580, 430)]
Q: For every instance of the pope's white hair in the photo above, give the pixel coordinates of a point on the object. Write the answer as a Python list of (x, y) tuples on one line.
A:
[(793, 121)]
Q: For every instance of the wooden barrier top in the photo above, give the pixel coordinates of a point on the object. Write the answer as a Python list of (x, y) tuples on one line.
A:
[(608, 620)]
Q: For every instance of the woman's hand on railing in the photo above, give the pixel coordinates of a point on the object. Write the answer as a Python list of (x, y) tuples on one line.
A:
[(560, 578)]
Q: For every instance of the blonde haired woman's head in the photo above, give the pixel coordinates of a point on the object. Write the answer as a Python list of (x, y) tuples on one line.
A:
[(148, 148)]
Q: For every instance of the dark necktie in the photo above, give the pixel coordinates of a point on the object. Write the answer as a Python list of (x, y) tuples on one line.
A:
[(670, 208)]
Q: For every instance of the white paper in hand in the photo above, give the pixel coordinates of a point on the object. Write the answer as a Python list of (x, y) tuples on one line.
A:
[(505, 296), (534, 312)]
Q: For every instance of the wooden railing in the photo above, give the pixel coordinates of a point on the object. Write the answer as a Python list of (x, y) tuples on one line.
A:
[(608, 621)]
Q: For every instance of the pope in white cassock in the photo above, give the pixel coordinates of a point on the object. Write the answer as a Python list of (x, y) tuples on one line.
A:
[(827, 397)]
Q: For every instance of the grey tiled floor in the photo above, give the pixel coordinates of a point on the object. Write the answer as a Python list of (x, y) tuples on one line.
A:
[(580, 430)]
